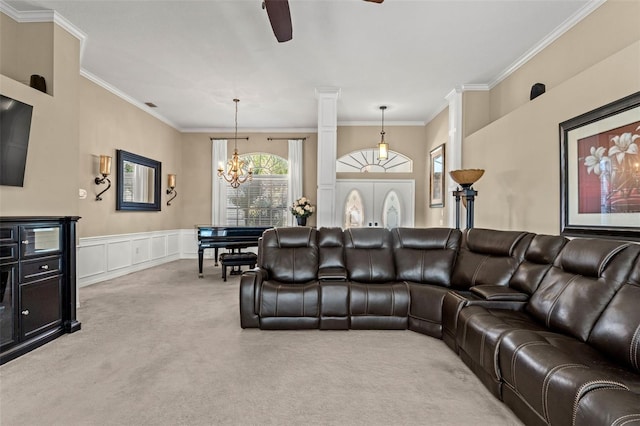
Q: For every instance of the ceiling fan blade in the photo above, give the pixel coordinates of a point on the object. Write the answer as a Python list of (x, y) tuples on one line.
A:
[(280, 18), (375, 1)]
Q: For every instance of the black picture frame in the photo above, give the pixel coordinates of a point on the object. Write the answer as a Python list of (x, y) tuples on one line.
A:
[(600, 172), (123, 201)]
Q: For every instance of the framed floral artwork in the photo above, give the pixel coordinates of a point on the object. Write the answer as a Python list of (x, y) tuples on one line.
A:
[(436, 177), (600, 171)]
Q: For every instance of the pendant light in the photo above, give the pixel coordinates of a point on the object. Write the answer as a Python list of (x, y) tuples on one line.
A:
[(383, 147), (235, 173)]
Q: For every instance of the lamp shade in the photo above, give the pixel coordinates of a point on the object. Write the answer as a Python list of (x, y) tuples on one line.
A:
[(383, 150), (105, 165), (466, 176)]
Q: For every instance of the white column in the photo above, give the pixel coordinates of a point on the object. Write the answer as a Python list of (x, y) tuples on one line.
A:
[(454, 150), (327, 150)]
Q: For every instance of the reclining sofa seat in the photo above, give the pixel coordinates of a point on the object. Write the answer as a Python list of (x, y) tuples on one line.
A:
[(377, 299), (540, 355), (616, 334), (424, 259), (282, 292), (487, 257), (565, 362), (489, 311)]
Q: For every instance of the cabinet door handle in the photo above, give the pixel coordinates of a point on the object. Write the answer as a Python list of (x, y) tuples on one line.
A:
[(25, 312), (45, 267), (25, 242)]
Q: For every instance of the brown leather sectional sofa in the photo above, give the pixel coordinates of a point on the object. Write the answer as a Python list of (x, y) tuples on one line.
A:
[(550, 326)]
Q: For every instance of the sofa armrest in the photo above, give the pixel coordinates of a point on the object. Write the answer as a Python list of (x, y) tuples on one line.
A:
[(607, 406), (499, 292), (250, 284), (332, 274)]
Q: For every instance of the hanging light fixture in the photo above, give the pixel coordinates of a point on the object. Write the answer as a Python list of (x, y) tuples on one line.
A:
[(235, 173), (383, 147)]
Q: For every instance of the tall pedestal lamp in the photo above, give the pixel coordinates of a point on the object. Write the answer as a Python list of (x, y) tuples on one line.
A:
[(465, 178)]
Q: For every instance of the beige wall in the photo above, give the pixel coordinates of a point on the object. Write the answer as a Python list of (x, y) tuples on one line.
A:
[(27, 49), (521, 151), (108, 123), (198, 173), (611, 27), (437, 133), (51, 176)]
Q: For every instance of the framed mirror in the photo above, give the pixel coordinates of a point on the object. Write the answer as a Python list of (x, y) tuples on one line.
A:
[(138, 182)]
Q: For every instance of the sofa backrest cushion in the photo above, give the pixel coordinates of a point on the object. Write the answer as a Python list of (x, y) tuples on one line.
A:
[(369, 255), (617, 331), (489, 257), (331, 248), (574, 292), (425, 255), (538, 259), (290, 255)]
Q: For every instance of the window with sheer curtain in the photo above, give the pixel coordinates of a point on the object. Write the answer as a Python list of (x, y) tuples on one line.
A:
[(264, 201)]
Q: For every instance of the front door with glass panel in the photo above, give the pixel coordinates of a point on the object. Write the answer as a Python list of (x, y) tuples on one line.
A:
[(387, 203)]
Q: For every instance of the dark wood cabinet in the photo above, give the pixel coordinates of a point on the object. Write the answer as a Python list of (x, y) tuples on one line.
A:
[(38, 282)]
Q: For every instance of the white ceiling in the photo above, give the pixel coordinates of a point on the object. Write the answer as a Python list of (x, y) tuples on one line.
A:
[(191, 58)]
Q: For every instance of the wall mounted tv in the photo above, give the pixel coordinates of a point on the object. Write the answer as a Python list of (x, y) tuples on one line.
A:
[(15, 125)]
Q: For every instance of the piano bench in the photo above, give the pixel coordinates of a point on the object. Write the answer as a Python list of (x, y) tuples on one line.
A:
[(236, 259)]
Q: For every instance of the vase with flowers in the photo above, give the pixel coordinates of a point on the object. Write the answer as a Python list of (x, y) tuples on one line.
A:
[(302, 209)]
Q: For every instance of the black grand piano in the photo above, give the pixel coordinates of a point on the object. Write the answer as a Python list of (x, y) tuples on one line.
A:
[(226, 237)]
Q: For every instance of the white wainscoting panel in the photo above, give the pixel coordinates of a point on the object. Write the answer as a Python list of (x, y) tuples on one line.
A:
[(105, 257), (141, 250), (119, 254), (158, 246), (94, 260)]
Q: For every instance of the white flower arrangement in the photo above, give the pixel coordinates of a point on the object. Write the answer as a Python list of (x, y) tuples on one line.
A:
[(302, 208)]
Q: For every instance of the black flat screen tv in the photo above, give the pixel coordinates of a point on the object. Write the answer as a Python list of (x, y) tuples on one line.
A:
[(15, 126)]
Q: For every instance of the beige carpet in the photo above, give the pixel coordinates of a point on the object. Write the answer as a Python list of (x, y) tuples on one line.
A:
[(162, 347)]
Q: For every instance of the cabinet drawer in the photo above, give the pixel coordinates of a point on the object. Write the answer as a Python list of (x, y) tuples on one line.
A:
[(40, 240), (8, 234), (40, 268), (8, 252)]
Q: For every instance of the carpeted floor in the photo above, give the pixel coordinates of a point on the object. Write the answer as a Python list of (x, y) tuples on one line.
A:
[(162, 347)]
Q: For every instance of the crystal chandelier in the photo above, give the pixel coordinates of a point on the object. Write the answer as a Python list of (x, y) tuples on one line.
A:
[(235, 173), (383, 147)]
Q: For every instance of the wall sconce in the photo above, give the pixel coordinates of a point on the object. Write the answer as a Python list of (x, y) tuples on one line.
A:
[(105, 170), (171, 183)]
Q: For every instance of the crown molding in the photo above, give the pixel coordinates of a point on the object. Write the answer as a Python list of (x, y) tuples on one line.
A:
[(86, 74), (34, 16), (377, 123), (250, 130), (550, 38)]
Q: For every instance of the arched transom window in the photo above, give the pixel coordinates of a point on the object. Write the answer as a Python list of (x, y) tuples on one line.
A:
[(367, 161)]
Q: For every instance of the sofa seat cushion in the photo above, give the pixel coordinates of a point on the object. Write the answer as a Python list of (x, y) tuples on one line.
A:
[(289, 300), (379, 305), (551, 372), (478, 334)]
